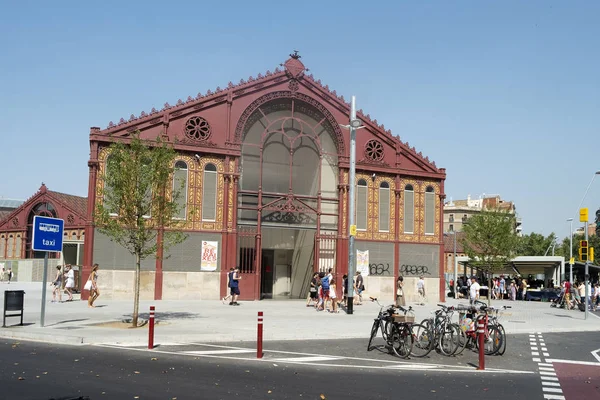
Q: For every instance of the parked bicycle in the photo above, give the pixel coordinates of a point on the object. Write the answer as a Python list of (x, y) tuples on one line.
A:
[(397, 335), (446, 334), (469, 318)]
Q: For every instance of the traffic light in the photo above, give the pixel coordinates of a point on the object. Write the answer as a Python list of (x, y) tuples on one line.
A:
[(583, 250), (598, 222)]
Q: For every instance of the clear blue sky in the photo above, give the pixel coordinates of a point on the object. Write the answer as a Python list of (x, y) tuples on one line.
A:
[(504, 95)]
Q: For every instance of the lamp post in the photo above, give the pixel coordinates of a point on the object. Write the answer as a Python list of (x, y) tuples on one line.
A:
[(354, 125), (571, 250)]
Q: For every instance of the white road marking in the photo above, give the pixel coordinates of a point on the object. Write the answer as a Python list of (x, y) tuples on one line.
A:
[(208, 352), (541, 364), (549, 378), (548, 373), (546, 369), (550, 383), (573, 362), (596, 355), (305, 359), (537, 360), (534, 348), (546, 354), (535, 353), (553, 397), (552, 390)]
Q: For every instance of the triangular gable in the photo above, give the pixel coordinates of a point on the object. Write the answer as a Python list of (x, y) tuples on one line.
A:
[(73, 209), (293, 72)]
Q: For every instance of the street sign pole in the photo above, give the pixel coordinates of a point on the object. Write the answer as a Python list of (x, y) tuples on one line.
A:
[(47, 236), (44, 280), (587, 273)]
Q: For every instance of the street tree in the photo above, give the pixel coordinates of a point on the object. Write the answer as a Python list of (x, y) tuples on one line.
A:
[(140, 203), (490, 241), (535, 244)]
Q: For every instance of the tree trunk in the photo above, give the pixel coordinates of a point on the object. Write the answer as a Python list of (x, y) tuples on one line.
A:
[(136, 295)]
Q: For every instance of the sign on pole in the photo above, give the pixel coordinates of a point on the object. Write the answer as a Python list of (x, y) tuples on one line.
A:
[(47, 237)]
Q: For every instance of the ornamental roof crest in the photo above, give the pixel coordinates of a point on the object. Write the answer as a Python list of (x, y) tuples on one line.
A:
[(294, 67)]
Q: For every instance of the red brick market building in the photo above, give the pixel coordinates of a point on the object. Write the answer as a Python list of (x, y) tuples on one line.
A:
[(265, 163)]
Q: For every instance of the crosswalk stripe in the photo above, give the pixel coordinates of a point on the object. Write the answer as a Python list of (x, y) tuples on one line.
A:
[(548, 373), (554, 397), (549, 378), (207, 352), (552, 390), (546, 369), (550, 383)]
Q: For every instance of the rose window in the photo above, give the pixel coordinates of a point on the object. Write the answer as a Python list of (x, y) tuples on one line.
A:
[(197, 128), (374, 150)]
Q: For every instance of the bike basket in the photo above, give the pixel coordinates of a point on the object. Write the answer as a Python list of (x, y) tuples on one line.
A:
[(404, 318), (467, 324)]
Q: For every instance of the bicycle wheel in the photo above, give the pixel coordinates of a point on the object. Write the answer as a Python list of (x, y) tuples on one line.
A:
[(502, 348), (463, 340), (387, 329), (374, 330), (492, 341), (449, 339), (422, 340), (401, 340)]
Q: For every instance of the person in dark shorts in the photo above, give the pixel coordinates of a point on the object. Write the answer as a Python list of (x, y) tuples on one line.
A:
[(234, 284), (313, 291)]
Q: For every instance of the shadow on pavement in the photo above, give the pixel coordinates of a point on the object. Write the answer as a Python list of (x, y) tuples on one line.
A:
[(68, 321), (168, 316)]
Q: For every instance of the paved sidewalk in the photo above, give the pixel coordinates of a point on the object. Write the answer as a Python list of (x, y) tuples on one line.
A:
[(211, 321)]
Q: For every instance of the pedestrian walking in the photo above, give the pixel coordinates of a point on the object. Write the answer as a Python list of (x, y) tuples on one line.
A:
[(421, 290), (2, 271), (10, 275), (92, 286), (359, 286), (235, 286), (333, 296), (70, 281), (474, 290), (345, 290), (56, 285), (513, 291), (229, 279)]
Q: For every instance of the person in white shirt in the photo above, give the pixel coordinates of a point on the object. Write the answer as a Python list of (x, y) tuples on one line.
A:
[(474, 290), (421, 290)]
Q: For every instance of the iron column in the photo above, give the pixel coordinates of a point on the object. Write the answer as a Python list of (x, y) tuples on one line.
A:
[(351, 178), (587, 273), (571, 251)]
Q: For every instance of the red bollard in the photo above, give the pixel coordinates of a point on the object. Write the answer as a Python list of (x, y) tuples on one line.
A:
[(151, 328), (259, 352), (481, 339)]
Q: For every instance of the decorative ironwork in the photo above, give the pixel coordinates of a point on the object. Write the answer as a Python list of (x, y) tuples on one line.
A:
[(293, 85), (70, 219), (15, 221), (197, 128), (374, 150), (289, 218)]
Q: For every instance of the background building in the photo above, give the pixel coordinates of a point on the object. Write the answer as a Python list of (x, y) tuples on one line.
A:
[(265, 163), (457, 212)]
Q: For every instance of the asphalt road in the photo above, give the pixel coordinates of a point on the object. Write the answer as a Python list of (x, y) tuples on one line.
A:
[(30, 370)]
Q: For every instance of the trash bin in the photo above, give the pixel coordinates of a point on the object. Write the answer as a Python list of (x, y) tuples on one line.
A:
[(13, 301)]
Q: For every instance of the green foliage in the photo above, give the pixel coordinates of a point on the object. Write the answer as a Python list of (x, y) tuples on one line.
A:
[(536, 244), (137, 184), (139, 206), (490, 240), (593, 241)]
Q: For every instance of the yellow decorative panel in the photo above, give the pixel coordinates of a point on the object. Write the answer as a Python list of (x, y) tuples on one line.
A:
[(218, 223)]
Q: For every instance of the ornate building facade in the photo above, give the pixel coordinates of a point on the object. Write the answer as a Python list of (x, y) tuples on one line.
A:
[(265, 168)]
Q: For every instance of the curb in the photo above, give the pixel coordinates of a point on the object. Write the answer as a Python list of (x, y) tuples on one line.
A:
[(41, 337)]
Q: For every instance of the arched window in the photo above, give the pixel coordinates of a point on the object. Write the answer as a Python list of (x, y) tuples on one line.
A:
[(2, 246), (107, 190), (384, 207), (361, 205), (11, 246), (409, 209), (74, 236), (429, 211), (209, 193), (18, 242), (180, 187)]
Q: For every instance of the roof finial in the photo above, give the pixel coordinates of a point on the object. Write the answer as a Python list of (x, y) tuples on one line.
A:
[(295, 56)]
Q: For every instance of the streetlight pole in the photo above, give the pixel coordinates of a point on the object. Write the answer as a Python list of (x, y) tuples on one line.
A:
[(455, 269), (354, 125), (571, 251)]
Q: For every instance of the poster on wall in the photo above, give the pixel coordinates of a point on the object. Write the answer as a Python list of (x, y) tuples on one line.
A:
[(209, 256), (362, 262)]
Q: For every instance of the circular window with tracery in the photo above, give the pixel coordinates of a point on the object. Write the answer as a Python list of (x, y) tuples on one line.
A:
[(197, 128), (374, 150)]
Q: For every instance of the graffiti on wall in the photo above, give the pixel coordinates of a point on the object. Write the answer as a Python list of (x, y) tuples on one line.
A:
[(380, 269)]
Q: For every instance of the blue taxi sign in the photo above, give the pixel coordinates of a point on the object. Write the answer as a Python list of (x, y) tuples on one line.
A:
[(47, 234)]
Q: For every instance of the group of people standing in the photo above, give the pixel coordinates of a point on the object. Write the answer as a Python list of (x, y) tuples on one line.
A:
[(572, 296), (6, 274), (323, 291)]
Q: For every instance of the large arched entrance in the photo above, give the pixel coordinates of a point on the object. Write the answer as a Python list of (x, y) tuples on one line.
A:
[(288, 195)]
